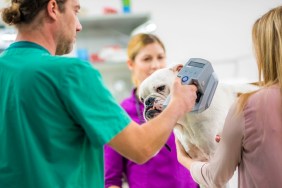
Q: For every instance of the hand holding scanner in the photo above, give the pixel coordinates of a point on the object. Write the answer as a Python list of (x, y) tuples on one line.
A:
[(199, 72)]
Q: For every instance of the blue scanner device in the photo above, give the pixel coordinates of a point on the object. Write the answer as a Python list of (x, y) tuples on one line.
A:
[(199, 72)]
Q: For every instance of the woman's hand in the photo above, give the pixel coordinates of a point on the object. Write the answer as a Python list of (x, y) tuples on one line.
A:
[(182, 156)]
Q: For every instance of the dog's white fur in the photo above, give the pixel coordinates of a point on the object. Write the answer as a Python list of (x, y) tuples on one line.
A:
[(196, 131)]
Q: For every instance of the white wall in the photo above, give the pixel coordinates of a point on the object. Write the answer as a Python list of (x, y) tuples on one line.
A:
[(218, 30)]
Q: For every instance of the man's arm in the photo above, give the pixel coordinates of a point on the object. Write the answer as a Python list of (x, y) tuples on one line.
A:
[(140, 143)]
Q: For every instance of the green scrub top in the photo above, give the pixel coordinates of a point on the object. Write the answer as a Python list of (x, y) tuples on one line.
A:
[(55, 117)]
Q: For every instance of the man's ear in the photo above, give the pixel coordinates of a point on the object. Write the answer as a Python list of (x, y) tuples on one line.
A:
[(52, 9), (177, 68)]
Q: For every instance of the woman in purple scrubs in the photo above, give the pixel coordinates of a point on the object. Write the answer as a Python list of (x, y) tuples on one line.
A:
[(146, 54)]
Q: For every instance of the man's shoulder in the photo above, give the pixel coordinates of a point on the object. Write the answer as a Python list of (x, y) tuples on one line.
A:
[(67, 61), (69, 64)]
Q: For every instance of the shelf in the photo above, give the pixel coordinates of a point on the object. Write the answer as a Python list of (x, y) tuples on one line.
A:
[(108, 30), (99, 34), (123, 23)]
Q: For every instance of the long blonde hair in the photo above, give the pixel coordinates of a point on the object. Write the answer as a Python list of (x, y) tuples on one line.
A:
[(267, 43), (137, 43)]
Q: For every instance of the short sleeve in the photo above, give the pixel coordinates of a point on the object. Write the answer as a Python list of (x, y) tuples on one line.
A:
[(90, 103)]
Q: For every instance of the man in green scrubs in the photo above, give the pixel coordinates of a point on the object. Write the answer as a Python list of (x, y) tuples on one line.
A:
[(55, 112)]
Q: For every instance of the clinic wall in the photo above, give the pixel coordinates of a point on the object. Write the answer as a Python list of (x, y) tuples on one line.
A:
[(217, 30)]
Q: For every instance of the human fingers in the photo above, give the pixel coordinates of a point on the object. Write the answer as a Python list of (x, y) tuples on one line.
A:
[(187, 91), (184, 95)]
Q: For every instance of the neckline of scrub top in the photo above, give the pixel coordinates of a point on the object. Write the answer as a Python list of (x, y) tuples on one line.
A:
[(27, 44)]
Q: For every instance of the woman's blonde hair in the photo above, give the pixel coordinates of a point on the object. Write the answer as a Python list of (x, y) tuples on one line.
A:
[(137, 43), (267, 43)]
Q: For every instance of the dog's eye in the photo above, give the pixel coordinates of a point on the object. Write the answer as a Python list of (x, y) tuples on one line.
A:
[(161, 88), (141, 99)]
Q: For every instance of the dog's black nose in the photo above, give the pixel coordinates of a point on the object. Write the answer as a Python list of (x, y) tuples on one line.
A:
[(150, 114), (149, 101)]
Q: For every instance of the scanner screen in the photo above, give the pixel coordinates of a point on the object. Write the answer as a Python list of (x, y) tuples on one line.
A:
[(195, 64)]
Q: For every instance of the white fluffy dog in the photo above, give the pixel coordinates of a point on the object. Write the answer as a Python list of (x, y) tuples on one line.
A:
[(196, 131)]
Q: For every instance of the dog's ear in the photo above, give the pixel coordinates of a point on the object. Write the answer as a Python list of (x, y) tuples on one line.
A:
[(177, 68)]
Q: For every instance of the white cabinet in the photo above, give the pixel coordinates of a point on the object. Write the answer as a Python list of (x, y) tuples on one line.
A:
[(99, 35)]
